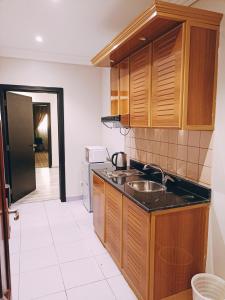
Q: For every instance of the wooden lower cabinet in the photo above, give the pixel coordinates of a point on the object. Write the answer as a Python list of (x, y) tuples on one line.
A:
[(135, 255), (178, 249), (98, 196), (113, 223), (157, 252)]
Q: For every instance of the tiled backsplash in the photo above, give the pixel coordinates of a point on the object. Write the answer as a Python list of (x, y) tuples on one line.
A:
[(185, 153)]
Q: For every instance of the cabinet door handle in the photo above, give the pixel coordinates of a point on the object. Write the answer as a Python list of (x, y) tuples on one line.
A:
[(16, 212)]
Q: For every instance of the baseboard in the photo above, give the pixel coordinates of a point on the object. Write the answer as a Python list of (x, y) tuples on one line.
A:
[(74, 198)]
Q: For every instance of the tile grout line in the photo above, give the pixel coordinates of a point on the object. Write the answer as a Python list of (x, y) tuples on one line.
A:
[(55, 250)]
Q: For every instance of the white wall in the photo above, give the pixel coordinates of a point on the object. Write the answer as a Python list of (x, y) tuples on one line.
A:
[(110, 137), (52, 99), (216, 252), (82, 105)]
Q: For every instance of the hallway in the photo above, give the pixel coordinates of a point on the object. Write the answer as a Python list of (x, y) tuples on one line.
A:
[(47, 186), (55, 255)]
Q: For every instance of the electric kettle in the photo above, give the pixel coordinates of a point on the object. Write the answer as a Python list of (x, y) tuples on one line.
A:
[(119, 160)]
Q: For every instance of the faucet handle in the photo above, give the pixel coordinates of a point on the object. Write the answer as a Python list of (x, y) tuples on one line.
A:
[(168, 177)]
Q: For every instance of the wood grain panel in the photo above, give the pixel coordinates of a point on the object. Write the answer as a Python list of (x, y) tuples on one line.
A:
[(98, 198), (135, 259), (185, 295), (202, 77), (167, 79), (155, 21), (124, 91), (114, 86), (179, 248), (113, 223), (140, 87)]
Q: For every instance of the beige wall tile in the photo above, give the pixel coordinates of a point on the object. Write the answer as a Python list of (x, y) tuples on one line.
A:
[(163, 162), (182, 137), (164, 147), (151, 134), (164, 136), (173, 136), (143, 156), (172, 165), (192, 171), (156, 159), (157, 134), (205, 157), (182, 152), (205, 174), (206, 139), (172, 152), (193, 154), (179, 151), (149, 146), (149, 158), (156, 147), (194, 138), (181, 168), (142, 145)]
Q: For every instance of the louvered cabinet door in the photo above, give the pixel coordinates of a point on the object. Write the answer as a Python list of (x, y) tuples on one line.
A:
[(114, 87), (167, 80), (113, 237), (124, 91), (136, 236), (140, 69), (98, 197)]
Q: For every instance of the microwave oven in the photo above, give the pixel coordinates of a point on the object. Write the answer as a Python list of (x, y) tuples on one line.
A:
[(95, 154)]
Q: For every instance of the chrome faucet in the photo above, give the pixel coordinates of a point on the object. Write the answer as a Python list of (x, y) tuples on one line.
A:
[(165, 177)]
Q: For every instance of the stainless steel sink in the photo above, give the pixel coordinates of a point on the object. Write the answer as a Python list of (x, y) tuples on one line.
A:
[(146, 186)]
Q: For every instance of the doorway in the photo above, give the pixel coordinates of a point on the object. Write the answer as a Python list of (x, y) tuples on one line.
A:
[(45, 146), (42, 134)]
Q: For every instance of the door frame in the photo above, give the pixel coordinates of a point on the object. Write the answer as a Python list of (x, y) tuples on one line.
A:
[(4, 88), (48, 104)]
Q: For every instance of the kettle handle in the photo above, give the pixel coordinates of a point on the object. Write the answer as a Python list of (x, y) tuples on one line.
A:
[(114, 156)]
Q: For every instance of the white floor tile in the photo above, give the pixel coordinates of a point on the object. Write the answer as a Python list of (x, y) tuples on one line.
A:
[(14, 263), (94, 291), (121, 289), (96, 246), (40, 283), (65, 234), (58, 296), (14, 245), (73, 251), (107, 265), (36, 238), (38, 258), (81, 272), (15, 287)]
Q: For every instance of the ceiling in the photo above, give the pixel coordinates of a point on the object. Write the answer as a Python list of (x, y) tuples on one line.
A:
[(73, 31)]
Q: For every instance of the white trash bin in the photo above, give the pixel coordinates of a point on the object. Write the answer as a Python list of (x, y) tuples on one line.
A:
[(208, 287)]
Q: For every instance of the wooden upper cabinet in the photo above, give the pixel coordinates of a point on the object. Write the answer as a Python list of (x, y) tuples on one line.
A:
[(167, 79), (140, 75), (113, 223), (124, 91), (98, 197), (201, 73), (135, 259), (114, 86)]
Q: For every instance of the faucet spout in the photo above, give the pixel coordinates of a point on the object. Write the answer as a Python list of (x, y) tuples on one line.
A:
[(165, 177)]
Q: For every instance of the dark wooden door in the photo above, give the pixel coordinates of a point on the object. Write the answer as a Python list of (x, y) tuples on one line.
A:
[(5, 282), (20, 145)]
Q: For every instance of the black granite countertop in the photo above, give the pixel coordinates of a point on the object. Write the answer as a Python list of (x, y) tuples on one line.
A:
[(179, 193)]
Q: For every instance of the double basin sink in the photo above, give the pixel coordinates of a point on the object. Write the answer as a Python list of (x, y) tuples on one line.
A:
[(144, 186)]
